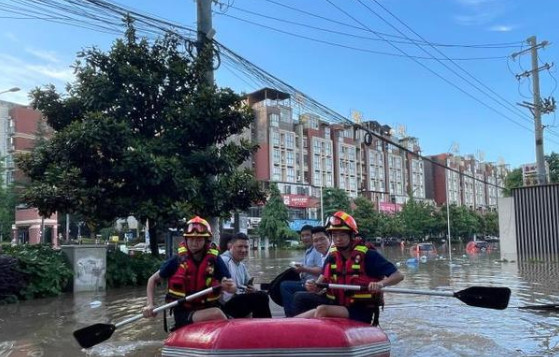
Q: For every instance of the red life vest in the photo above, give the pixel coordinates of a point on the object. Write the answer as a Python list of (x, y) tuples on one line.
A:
[(191, 278), (351, 272)]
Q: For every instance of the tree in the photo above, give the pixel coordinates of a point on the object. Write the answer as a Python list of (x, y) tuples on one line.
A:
[(141, 133), (7, 208), (274, 224), (417, 218), (367, 218), (553, 162), (513, 180), (333, 200), (463, 222)]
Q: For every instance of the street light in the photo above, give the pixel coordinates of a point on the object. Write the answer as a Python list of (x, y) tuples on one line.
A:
[(448, 217), (14, 89)]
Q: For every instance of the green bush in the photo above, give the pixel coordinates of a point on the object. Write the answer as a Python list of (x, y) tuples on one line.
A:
[(126, 270), (46, 272)]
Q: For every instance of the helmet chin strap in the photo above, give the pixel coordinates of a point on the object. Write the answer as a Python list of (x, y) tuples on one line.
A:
[(346, 248)]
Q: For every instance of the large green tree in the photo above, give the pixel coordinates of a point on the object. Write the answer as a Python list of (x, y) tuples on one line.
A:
[(274, 224), (335, 199), (553, 162), (141, 133), (367, 218), (417, 218), (513, 180)]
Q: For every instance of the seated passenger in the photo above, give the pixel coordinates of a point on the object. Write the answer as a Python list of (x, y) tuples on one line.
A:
[(305, 300), (246, 300), (309, 269)]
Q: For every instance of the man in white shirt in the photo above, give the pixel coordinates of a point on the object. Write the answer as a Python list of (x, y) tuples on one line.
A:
[(246, 300)]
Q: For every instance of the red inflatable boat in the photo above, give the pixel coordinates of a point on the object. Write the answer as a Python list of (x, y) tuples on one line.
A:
[(278, 337)]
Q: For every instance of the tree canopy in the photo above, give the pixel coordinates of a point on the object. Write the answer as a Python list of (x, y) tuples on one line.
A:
[(553, 162), (141, 133), (274, 224), (335, 199)]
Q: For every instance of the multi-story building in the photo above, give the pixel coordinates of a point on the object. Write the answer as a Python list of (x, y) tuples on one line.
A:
[(283, 153), (468, 183), (22, 126), (304, 154)]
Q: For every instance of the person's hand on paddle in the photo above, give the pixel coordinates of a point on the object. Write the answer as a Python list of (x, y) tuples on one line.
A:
[(228, 285), (375, 286), (310, 286), (147, 311)]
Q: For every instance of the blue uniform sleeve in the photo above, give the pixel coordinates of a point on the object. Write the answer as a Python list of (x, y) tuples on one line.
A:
[(221, 270), (169, 267), (376, 266)]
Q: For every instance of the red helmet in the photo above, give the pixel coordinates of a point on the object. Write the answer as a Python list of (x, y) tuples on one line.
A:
[(341, 221), (197, 227)]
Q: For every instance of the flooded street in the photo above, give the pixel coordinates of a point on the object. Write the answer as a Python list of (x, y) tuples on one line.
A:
[(417, 325)]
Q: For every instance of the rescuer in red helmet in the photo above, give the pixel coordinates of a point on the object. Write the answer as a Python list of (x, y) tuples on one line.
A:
[(196, 267), (352, 263)]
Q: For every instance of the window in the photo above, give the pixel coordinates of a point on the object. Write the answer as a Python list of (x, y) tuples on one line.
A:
[(276, 174), (326, 132), (316, 163), (290, 140), (275, 138), (290, 176), (277, 157), (290, 158), (274, 120)]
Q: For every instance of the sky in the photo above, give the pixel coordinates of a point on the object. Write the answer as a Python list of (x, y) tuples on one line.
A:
[(380, 58)]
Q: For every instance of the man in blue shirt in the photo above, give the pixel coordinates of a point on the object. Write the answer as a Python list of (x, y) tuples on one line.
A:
[(308, 270)]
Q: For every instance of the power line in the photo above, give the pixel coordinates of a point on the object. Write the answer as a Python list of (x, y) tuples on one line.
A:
[(147, 24), (435, 73), (369, 38), (357, 48), (519, 112), (495, 45)]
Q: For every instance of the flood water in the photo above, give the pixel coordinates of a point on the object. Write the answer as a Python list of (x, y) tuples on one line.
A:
[(417, 325)]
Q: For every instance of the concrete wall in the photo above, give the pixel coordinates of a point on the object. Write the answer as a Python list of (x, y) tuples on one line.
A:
[(507, 229), (89, 263)]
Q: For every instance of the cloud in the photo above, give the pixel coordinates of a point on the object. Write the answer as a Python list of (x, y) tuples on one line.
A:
[(44, 55), (480, 12), (501, 28), (16, 72), (10, 36), (62, 74)]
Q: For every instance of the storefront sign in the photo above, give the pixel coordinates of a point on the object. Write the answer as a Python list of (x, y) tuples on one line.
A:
[(300, 201), (388, 207)]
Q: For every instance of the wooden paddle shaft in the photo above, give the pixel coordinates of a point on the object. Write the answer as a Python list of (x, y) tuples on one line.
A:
[(394, 290), (166, 306)]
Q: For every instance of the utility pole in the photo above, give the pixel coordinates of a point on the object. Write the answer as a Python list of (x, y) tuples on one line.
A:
[(205, 34), (538, 106)]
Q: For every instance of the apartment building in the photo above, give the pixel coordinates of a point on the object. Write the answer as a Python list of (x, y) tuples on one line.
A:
[(22, 126), (303, 154), (469, 183)]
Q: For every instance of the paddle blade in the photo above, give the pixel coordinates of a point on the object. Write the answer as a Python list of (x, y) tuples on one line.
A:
[(483, 296), (91, 335)]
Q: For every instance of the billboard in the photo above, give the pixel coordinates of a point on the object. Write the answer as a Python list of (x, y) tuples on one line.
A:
[(389, 207)]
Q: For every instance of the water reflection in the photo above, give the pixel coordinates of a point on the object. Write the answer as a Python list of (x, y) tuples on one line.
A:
[(417, 325)]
